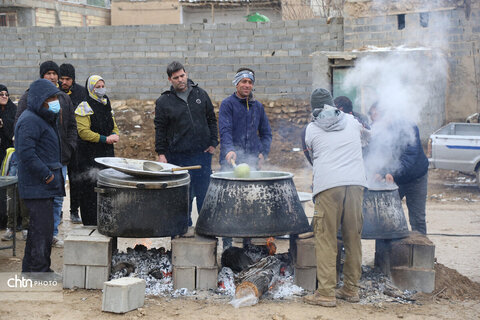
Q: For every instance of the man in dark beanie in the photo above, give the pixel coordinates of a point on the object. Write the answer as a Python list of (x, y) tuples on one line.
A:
[(318, 99), (77, 94), (67, 127), (69, 86), (334, 143)]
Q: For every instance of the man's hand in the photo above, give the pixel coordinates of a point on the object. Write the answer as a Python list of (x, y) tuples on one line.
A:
[(210, 149), (162, 158), (260, 162), (231, 156), (389, 178)]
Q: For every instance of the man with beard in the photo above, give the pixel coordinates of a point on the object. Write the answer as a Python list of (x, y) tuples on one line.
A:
[(77, 95), (186, 130)]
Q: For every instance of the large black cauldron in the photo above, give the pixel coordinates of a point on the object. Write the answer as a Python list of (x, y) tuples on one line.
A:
[(265, 204), (142, 207), (383, 216)]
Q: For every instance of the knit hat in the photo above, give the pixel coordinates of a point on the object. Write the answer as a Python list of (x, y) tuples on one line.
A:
[(67, 70), (48, 66), (321, 97), (3, 88)]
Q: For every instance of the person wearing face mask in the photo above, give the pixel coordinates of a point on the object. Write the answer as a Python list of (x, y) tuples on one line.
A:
[(67, 127), (98, 133), (40, 178)]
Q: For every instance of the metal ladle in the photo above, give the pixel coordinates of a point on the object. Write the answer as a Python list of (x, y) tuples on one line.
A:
[(153, 166)]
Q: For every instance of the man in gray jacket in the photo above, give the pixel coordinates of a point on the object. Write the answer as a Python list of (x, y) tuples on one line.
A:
[(333, 139)]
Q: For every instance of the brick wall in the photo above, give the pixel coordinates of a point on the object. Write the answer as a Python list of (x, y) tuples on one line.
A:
[(133, 59)]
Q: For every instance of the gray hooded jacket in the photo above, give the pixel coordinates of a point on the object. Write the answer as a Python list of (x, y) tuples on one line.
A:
[(334, 141)]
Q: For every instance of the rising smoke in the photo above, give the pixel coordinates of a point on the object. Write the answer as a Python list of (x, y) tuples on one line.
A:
[(401, 83)]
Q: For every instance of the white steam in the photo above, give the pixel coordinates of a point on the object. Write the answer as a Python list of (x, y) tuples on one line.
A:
[(402, 84)]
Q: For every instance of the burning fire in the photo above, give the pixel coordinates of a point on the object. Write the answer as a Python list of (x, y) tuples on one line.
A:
[(272, 248), (147, 242)]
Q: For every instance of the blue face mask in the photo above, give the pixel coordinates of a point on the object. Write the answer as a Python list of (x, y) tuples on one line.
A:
[(54, 106)]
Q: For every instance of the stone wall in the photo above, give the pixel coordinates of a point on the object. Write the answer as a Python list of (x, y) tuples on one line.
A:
[(133, 59)]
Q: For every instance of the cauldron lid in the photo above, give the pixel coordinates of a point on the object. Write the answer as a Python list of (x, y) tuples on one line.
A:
[(135, 167), (114, 178)]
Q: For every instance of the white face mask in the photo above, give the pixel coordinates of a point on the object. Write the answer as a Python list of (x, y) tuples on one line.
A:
[(100, 92)]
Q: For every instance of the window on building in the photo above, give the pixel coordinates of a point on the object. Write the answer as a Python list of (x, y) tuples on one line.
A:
[(424, 17), (3, 20), (401, 21)]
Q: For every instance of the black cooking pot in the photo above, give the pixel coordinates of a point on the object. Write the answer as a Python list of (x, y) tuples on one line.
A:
[(142, 207), (265, 204), (383, 216)]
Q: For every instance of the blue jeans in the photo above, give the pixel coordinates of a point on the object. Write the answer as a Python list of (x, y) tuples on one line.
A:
[(57, 207), (415, 193), (199, 179)]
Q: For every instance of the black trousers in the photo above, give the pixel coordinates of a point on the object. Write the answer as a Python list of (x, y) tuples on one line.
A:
[(74, 183), (40, 234)]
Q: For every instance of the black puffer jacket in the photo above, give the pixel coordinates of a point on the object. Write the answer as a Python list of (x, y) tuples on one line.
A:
[(67, 125), (185, 128)]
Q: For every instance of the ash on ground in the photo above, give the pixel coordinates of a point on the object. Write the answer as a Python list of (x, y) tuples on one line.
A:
[(376, 288), (155, 267)]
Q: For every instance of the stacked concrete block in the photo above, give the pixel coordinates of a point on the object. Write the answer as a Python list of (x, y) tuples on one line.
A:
[(306, 264), (87, 259), (123, 295), (409, 262), (194, 263)]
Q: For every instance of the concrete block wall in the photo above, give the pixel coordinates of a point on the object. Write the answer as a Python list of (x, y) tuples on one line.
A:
[(133, 59), (450, 29)]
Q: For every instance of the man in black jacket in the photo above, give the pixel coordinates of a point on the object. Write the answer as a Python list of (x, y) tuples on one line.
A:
[(77, 94), (67, 127), (186, 130)]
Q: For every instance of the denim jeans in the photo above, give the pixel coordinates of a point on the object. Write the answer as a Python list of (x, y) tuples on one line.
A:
[(415, 193), (57, 207), (199, 179)]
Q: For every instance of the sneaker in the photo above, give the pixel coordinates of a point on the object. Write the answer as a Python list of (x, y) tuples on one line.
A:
[(319, 300), (8, 235), (57, 242), (24, 234), (347, 295), (74, 218)]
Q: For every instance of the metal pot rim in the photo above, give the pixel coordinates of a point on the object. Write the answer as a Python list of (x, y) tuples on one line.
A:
[(254, 176), (116, 179)]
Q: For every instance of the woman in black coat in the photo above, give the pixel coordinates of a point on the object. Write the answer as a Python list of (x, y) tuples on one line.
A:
[(7, 119)]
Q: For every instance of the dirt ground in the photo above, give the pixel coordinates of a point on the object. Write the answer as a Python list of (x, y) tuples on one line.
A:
[(453, 221)]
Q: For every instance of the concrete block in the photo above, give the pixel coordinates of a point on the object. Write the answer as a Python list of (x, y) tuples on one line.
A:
[(87, 250), (73, 276), (183, 277), (406, 278), (96, 276), (423, 256), (123, 295), (194, 252), (206, 278), (80, 231), (306, 277), (306, 253)]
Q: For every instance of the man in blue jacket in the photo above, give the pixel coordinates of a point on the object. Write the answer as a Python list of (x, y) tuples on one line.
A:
[(40, 179), (245, 133), (407, 166)]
